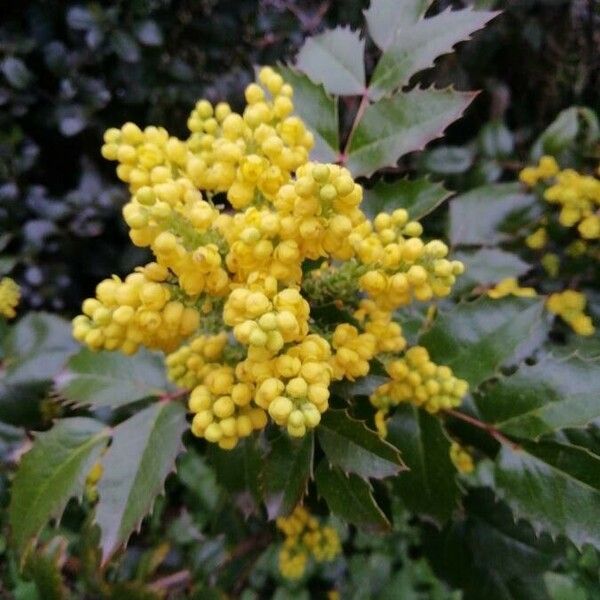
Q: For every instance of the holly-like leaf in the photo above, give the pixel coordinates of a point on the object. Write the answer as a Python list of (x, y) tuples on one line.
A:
[(51, 473), (335, 59), (319, 111), (349, 445), (142, 454), (110, 379), (482, 217), (429, 486), (37, 347), (387, 18), (419, 197), (349, 497), (476, 338), (404, 123), (552, 394), (556, 487), (419, 45), (288, 468)]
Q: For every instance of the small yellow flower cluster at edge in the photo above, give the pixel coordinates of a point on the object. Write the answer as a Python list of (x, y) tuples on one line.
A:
[(510, 287), (305, 537), (10, 295), (242, 268), (570, 307), (461, 458)]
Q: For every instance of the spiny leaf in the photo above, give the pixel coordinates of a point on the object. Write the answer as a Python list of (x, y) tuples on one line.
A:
[(556, 487), (335, 59), (387, 18), (476, 338), (349, 497), (51, 473), (349, 445), (404, 123), (418, 196), (429, 486), (319, 111), (136, 465), (419, 45), (288, 468), (109, 379), (545, 397)]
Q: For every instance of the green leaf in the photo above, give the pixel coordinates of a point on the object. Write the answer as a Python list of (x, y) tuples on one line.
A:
[(386, 18), (142, 454), (44, 567), (37, 348), (336, 60), (563, 587), (556, 487), (53, 471), (543, 398), (429, 486), (476, 338), (487, 266), (349, 445), (110, 379), (404, 123), (478, 217), (288, 468), (448, 160), (417, 47), (319, 111), (349, 497), (419, 197)]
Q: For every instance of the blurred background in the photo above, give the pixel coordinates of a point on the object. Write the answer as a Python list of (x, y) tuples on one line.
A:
[(69, 70)]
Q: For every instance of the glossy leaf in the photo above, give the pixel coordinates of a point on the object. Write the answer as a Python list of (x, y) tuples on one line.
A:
[(335, 59), (349, 497), (110, 379), (552, 394), (51, 473), (288, 468), (349, 445), (142, 454), (419, 197), (417, 47), (429, 486), (319, 111), (404, 123), (556, 487), (476, 338), (386, 18)]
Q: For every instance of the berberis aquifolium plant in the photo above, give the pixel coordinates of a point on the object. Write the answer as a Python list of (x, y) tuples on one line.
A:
[(325, 375)]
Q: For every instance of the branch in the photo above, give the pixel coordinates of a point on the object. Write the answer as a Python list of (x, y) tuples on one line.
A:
[(487, 427)]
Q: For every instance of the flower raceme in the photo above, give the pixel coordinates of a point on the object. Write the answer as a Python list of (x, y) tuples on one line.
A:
[(10, 295), (234, 216)]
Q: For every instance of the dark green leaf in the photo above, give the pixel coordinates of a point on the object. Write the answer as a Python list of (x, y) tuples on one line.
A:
[(548, 396), (142, 454), (53, 471), (495, 140), (563, 587), (16, 73), (429, 486), (476, 338), (554, 486), (44, 567), (448, 160), (288, 468), (319, 111), (348, 497), (419, 197), (386, 18), (336, 60), (125, 46), (417, 47), (110, 379), (404, 123), (149, 33), (349, 445)]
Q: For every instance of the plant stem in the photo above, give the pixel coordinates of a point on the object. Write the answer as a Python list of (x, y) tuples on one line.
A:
[(490, 429), (364, 102)]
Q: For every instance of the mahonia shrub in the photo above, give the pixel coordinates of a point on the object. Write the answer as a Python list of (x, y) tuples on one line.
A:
[(361, 415)]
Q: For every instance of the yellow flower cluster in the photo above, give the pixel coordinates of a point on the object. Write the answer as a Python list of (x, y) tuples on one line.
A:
[(305, 537), (577, 195), (10, 295), (418, 380), (91, 481), (510, 287), (461, 458), (570, 307), (241, 266)]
